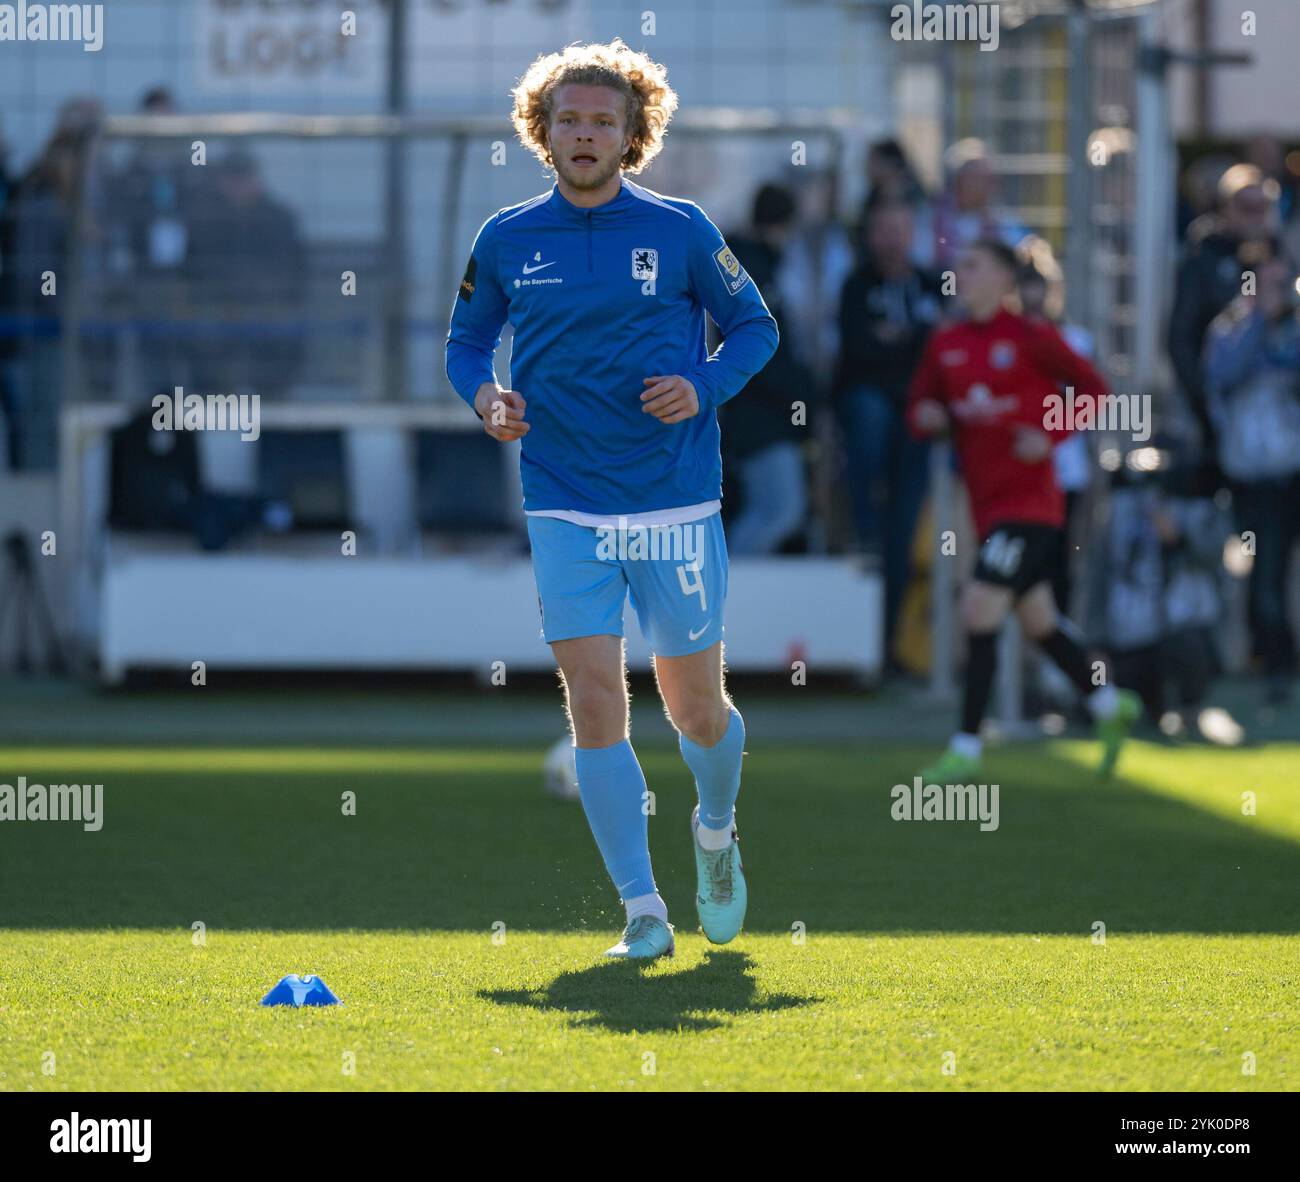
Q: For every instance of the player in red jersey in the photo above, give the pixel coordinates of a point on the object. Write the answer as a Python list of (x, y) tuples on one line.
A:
[(985, 380)]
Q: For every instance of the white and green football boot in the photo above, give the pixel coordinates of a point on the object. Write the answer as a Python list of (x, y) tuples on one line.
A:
[(1114, 730), (720, 892), (951, 768), (645, 938)]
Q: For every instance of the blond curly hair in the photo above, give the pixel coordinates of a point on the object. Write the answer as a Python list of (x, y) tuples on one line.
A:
[(649, 100)]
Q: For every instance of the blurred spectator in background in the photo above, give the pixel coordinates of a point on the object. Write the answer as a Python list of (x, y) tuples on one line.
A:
[(758, 431), (890, 177), (247, 269), (1220, 246), (892, 180), (817, 260), (35, 238), (150, 198), (1155, 595), (1198, 190), (150, 207), (887, 309), (1267, 154), (1252, 374), (966, 211)]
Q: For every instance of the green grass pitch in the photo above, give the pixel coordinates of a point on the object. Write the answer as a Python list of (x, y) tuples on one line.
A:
[(460, 916)]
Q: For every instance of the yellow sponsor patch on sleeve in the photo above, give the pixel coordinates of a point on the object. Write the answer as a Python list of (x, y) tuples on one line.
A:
[(733, 274)]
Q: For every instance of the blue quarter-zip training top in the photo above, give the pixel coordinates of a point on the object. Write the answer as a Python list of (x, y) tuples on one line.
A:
[(599, 299)]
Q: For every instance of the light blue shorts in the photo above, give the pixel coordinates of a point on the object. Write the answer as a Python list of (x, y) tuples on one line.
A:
[(675, 574)]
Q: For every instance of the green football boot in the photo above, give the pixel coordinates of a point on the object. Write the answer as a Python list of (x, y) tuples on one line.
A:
[(951, 768), (1114, 730), (720, 892)]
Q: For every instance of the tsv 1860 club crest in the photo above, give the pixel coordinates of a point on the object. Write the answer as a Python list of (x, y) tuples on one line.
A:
[(645, 263)]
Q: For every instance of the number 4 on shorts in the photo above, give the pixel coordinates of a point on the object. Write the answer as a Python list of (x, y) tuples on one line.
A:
[(693, 586)]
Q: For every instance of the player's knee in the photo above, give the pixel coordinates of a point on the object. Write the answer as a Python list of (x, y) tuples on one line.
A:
[(598, 707), (1037, 613), (1038, 623), (982, 608), (702, 720)]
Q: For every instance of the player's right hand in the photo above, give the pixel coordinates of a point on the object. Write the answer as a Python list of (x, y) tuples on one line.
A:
[(502, 412), (930, 417)]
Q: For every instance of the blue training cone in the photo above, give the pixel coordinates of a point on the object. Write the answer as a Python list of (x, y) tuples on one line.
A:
[(294, 990)]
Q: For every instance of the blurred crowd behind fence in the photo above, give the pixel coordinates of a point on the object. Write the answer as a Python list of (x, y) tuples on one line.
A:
[(312, 258)]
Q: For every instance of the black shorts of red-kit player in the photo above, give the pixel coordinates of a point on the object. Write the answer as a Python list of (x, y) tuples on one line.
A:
[(1018, 555)]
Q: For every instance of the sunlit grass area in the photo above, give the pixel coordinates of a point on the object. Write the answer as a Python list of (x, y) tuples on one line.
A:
[(1139, 933)]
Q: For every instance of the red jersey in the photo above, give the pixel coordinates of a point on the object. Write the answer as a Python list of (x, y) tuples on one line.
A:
[(992, 377)]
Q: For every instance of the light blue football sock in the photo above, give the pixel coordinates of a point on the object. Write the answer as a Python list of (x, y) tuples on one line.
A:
[(717, 772), (612, 787)]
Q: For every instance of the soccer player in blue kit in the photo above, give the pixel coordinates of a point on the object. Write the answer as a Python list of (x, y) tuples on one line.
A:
[(615, 399)]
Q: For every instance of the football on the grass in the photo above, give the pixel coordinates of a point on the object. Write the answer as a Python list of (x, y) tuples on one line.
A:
[(560, 771)]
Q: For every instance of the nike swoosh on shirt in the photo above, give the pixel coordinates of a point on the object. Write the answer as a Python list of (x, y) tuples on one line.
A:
[(696, 635), (529, 270)]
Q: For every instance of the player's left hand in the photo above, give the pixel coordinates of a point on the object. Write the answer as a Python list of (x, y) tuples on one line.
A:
[(671, 399), (1031, 446)]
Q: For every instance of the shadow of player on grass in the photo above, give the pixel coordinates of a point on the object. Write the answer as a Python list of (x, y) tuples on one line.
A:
[(625, 996)]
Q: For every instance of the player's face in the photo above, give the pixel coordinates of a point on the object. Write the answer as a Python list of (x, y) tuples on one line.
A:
[(587, 134), (982, 282)]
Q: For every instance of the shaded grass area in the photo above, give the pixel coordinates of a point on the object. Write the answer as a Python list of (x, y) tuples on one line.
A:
[(459, 839)]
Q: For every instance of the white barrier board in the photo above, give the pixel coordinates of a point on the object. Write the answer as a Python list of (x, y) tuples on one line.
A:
[(461, 613)]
